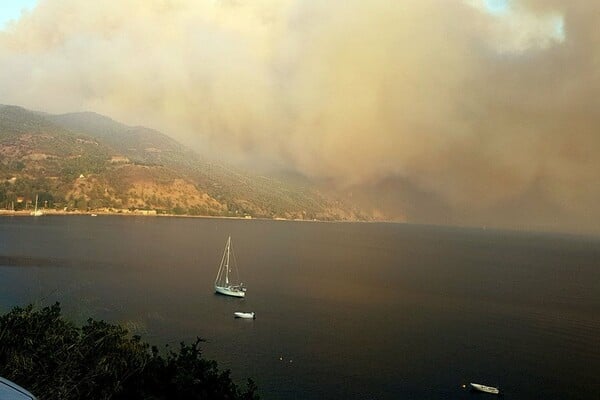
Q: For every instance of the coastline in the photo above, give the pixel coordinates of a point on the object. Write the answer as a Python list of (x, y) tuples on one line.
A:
[(144, 213), (593, 235)]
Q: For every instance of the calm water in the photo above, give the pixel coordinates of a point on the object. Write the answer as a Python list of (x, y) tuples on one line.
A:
[(355, 311)]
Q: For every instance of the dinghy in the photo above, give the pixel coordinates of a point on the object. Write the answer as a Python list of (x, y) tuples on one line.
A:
[(485, 389), (245, 315)]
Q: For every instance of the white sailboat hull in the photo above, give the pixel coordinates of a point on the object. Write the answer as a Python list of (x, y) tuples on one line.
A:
[(483, 388), (230, 291)]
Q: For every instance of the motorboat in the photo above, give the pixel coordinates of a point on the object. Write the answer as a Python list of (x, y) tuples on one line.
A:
[(485, 389)]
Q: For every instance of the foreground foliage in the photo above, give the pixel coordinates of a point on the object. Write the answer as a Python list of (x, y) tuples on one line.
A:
[(54, 359)]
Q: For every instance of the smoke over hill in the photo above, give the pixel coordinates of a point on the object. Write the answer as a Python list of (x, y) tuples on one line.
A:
[(444, 108)]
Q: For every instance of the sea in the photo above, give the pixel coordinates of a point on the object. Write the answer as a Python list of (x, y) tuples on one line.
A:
[(343, 310)]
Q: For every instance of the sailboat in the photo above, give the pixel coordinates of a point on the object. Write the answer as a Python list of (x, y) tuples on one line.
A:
[(224, 284), (36, 212)]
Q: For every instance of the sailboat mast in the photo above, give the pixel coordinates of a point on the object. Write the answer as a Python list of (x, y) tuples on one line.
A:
[(220, 273), (227, 265), (234, 288)]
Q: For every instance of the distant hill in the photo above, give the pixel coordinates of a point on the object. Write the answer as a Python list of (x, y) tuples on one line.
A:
[(139, 142), (88, 161)]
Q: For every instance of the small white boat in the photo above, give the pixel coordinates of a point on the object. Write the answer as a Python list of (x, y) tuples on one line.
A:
[(245, 315), (224, 284), (483, 388)]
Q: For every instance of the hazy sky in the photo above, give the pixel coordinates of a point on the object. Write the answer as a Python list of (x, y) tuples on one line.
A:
[(12, 9), (460, 111)]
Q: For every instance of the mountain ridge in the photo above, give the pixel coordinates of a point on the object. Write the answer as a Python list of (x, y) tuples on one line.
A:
[(87, 161)]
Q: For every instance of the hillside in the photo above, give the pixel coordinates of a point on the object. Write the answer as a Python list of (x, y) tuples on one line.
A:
[(87, 161)]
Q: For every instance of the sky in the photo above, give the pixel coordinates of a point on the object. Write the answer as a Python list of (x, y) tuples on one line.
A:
[(11, 10), (467, 112)]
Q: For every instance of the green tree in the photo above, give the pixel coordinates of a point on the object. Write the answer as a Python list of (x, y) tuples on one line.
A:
[(55, 359)]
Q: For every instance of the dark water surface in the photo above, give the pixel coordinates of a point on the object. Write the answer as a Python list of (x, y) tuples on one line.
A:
[(354, 311)]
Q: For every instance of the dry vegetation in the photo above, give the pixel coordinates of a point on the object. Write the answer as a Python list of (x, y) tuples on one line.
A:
[(89, 162)]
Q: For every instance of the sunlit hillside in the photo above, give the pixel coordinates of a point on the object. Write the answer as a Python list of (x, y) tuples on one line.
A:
[(86, 161)]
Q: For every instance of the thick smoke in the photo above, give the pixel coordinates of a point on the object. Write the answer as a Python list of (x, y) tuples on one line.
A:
[(491, 116)]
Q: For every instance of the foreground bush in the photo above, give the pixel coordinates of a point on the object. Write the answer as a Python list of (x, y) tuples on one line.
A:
[(54, 359)]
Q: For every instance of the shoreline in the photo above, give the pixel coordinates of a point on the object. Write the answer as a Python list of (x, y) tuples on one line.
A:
[(27, 213)]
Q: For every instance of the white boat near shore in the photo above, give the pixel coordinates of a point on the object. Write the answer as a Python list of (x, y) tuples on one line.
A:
[(485, 389), (245, 315), (36, 212)]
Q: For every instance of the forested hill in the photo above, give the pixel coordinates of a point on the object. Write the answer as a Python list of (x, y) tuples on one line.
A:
[(87, 161)]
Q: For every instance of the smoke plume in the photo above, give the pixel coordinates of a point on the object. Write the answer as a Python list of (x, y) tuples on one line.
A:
[(489, 114)]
